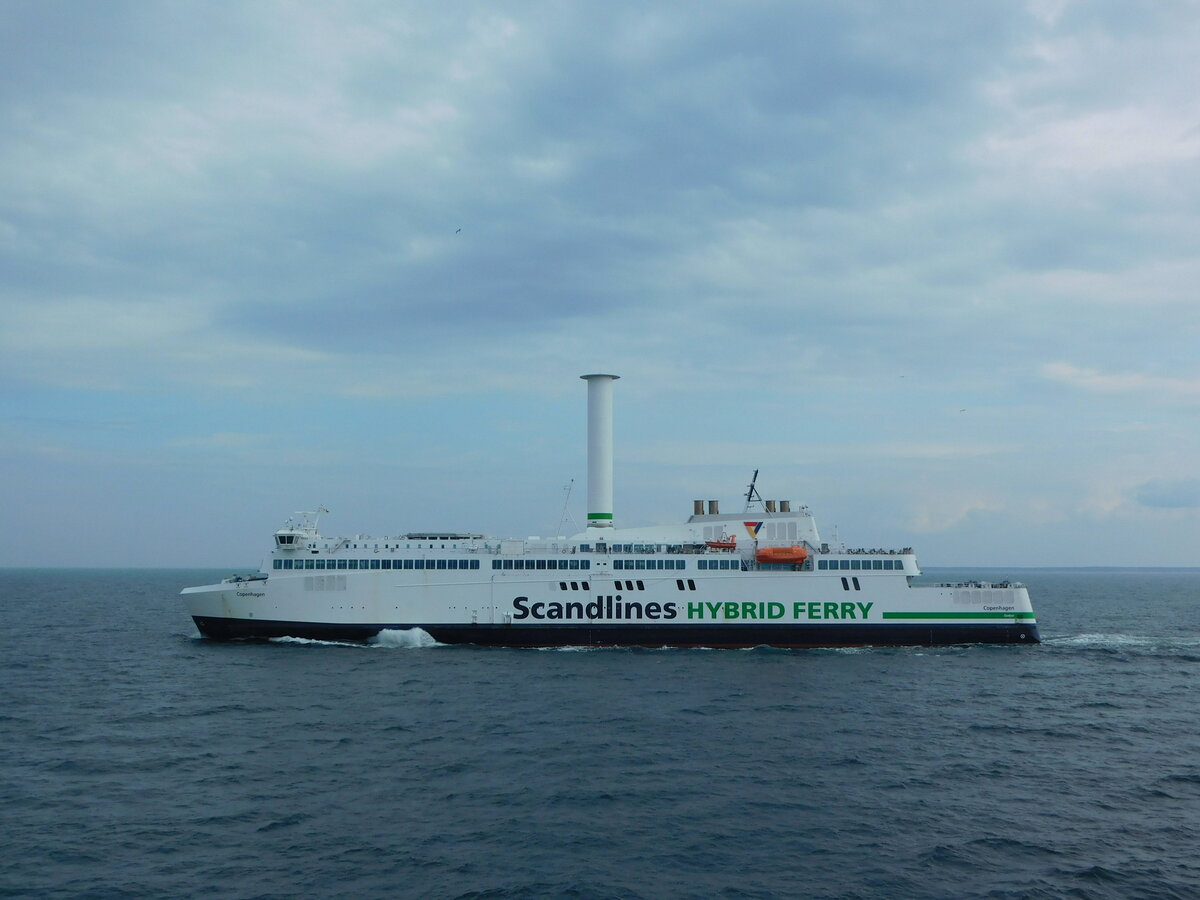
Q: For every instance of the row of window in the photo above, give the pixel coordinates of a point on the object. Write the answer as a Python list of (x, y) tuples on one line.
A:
[(376, 564), (338, 583), (649, 564), (620, 585), (541, 564), (859, 564), (623, 564), (632, 548)]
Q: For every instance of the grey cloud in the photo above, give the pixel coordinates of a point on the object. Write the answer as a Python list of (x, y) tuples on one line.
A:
[(1182, 493), (670, 125)]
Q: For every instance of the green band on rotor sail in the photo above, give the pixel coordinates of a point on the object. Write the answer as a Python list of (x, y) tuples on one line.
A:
[(600, 515)]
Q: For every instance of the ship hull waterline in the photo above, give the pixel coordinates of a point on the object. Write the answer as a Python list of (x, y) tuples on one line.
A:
[(716, 635)]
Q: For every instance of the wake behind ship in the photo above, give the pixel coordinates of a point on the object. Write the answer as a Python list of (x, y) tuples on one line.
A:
[(759, 577)]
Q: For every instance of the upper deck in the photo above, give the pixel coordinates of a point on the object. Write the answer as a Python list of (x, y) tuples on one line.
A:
[(708, 540), (459, 551)]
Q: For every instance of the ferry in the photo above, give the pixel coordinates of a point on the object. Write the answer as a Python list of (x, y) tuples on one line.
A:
[(758, 577)]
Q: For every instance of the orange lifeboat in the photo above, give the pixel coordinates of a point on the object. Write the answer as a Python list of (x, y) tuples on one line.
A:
[(725, 543), (794, 555)]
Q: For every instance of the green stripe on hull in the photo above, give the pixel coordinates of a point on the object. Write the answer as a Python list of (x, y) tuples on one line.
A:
[(1026, 616)]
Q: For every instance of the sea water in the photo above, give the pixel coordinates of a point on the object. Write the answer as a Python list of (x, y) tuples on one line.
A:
[(140, 760)]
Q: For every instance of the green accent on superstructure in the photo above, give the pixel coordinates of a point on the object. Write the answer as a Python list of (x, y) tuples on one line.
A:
[(1027, 616), (599, 515)]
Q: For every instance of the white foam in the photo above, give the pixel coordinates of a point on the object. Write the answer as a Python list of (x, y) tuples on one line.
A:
[(1124, 642), (300, 640), (571, 649), (1100, 641), (388, 638), (403, 639)]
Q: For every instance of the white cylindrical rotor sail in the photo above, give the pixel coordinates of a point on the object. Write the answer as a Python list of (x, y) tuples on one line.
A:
[(600, 450)]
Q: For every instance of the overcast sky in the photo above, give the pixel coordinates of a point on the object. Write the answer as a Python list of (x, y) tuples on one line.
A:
[(931, 266)]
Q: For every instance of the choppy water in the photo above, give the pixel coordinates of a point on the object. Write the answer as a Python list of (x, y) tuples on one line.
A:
[(139, 760)]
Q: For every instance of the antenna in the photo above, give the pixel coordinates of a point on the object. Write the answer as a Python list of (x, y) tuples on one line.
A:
[(752, 494), (309, 518), (566, 513)]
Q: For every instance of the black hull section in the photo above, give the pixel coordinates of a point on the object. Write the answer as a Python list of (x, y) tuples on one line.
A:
[(643, 635)]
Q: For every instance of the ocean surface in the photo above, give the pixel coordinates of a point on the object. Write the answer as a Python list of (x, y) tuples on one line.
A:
[(137, 760)]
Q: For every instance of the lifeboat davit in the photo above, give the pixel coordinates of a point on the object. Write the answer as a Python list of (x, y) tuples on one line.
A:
[(794, 555)]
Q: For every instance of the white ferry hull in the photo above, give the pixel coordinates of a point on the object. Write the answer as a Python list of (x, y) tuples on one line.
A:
[(735, 609), (690, 584)]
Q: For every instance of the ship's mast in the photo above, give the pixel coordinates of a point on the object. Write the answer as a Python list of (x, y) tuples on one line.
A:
[(752, 494), (309, 518), (566, 513)]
